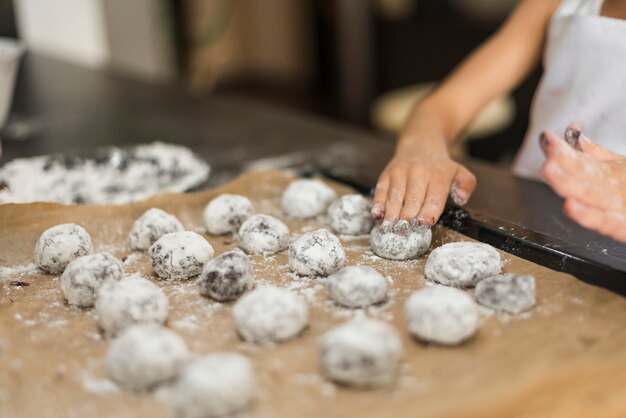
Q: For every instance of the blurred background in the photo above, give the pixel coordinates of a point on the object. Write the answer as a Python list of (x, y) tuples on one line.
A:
[(360, 61)]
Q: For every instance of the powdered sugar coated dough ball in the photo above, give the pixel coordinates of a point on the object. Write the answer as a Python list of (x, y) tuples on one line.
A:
[(146, 355), (152, 225), (506, 292), (317, 253), (306, 198), (392, 246), (216, 385), (180, 255), (442, 315), (350, 215), (59, 245), (83, 277), (130, 301), (462, 263), (270, 314), (226, 213), (357, 286), (261, 234), (362, 353), (226, 277)]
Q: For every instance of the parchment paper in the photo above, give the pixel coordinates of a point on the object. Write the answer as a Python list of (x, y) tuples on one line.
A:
[(564, 358)]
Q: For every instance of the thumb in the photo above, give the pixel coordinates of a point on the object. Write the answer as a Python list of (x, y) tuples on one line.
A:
[(463, 185)]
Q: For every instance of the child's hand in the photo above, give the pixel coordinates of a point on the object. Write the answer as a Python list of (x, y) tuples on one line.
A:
[(413, 188), (591, 179)]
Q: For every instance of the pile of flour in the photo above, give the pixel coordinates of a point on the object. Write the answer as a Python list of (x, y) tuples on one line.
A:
[(115, 175)]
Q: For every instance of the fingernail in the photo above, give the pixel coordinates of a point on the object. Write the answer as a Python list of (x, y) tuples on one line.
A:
[(416, 226), (459, 197), (572, 136), (422, 222), (377, 212), (386, 227), (544, 142), (402, 228)]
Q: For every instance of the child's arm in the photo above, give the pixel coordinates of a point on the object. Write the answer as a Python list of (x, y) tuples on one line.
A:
[(416, 182), (591, 179)]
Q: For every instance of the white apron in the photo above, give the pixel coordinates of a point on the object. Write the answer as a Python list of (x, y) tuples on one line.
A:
[(584, 81)]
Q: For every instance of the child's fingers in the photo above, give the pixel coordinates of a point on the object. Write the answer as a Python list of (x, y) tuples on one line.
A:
[(609, 223), (435, 201), (395, 195), (415, 193), (463, 186), (597, 151), (380, 197)]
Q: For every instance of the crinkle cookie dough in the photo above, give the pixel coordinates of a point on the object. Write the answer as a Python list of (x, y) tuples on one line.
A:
[(261, 234), (130, 301), (392, 246), (59, 245), (317, 253), (226, 277), (507, 293), (362, 353), (216, 385), (357, 286), (350, 215), (145, 356), (443, 315), (270, 314), (152, 225), (462, 263), (226, 213), (306, 198), (83, 277), (180, 255)]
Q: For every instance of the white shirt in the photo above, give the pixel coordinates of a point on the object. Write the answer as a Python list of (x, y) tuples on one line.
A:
[(584, 81)]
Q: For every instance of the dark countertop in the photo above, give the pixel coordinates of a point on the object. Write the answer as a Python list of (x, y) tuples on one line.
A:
[(67, 108)]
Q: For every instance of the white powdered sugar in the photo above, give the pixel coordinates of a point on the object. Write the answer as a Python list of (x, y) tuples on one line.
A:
[(227, 277), (350, 215), (270, 314), (263, 234), (442, 315), (363, 353), (216, 385), (61, 244), (83, 277), (462, 263), (132, 300), (506, 293), (390, 245), (307, 198), (152, 225), (180, 255), (317, 253), (226, 213), (357, 286), (115, 176)]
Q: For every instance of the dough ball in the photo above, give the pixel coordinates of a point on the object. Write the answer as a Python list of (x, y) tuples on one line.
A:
[(507, 293), (362, 353), (350, 215), (270, 314), (226, 277), (180, 255), (261, 234), (226, 213), (317, 253), (357, 286), (306, 198), (151, 226), (442, 315), (130, 301), (60, 245), (392, 246), (83, 277), (146, 355), (462, 264), (216, 385)]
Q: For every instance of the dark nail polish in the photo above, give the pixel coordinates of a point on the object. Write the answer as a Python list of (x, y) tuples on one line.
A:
[(572, 137), (544, 142), (402, 228)]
